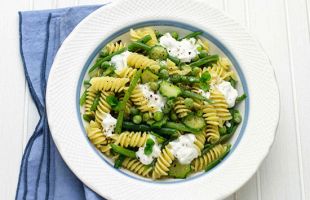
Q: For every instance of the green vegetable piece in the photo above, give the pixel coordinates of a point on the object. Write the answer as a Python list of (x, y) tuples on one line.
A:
[(180, 127), (88, 117), (119, 161), (150, 122), (105, 65), (204, 61), (196, 58), (194, 122), (123, 151), (178, 170), (134, 111), (153, 86), (95, 102), (138, 46), (86, 83), (186, 93), (148, 76), (146, 116), (159, 124), (174, 59), (173, 116), (241, 98), (159, 138), (158, 116), (184, 79), (189, 103), (164, 74), (199, 113), (196, 71), (107, 58), (205, 76), (145, 39), (149, 146), (204, 86), (166, 109), (217, 161), (223, 130), (137, 119), (83, 98), (175, 35), (158, 52), (237, 117), (133, 83), (203, 54), (142, 127), (169, 90), (192, 35), (158, 34), (233, 83), (112, 101), (109, 70)]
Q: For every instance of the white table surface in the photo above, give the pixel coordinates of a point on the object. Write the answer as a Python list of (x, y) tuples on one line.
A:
[(282, 27)]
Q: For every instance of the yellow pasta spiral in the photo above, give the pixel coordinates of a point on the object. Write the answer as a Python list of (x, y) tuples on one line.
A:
[(140, 33), (221, 71), (95, 134), (172, 68), (204, 44), (127, 72), (220, 105), (137, 167), (103, 107), (106, 149), (114, 46), (141, 62), (131, 139), (210, 115), (212, 133), (200, 141), (163, 163), (140, 101), (202, 162), (128, 104), (180, 109), (107, 83), (90, 97)]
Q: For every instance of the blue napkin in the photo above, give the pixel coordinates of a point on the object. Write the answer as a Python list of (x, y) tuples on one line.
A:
[(43, 173)]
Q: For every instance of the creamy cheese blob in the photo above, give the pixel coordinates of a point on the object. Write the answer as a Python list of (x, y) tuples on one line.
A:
[(229, 92), (154, 100), (228, 124), (108, 124), (204, 94), (148, 159), (184, 148), (120, 61), (185, 49)]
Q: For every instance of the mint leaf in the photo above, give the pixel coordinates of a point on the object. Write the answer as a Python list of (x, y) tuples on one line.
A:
[(149, 147), (112, 101)]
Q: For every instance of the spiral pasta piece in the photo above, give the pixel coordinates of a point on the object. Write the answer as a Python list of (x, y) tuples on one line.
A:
[(128, 104), (163, 163), (140, 33), (103, 107), (172, 68), (202, 162), (106, 149), (220, 105), (141, 62), (204, 44), (210, 115), (221, 71), (180, 109), (107, 83), (200, 141), (95, 134), (137, 167), (131, 139), (90, 97), (127, 72), (114, 46), (140, 101), (212, 133)]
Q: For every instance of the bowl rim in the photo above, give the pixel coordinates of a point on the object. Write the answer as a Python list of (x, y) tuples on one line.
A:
[(227, 177)]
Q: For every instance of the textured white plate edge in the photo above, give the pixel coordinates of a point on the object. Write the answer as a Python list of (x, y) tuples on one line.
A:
[(211, 195)]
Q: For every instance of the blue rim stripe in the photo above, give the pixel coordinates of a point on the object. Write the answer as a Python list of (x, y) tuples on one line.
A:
[(205, 34)]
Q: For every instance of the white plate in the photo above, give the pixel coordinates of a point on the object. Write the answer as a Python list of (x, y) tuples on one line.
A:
[(250, 144)]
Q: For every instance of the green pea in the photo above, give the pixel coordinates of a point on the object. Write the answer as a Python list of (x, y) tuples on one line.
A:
[(137, 119), (153, 86), (166, 109), (199, 48), (170, 102), (146, 117), (175, 35), (173, 116), (222, 130), (199, 113), (150, 122), (195, 58), (134, 111), (189, 103), (164, 74), (196, 71), (237, 117), (158, 116)]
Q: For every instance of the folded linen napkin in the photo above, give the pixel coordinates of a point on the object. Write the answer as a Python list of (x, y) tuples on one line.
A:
[(43, 173)]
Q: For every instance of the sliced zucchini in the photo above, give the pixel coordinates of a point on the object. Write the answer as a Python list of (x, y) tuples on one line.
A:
[(169, 90), (148, 76), (158, 52), (178, 170), (194, 122)]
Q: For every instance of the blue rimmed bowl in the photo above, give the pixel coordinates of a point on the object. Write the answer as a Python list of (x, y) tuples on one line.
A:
[(251, 142)]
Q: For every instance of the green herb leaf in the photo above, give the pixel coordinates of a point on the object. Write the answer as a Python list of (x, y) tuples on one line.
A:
[(205, 86), (112, 101), (149, 146), (205, 77), (241, 98)]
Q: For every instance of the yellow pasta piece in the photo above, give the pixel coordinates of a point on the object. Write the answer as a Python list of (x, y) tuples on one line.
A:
[(220, 105), (131, 139), (141, 62), (140, 33), (107, 83), (163, 163), (137, 167), (114, 46), (140, 101), (95, 134), (180, 109)]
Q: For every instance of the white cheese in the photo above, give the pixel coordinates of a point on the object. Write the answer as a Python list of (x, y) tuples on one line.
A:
[(148, 159), (229, 92), (108, 124), (184, 148), (120, 61), (185, 49), (228, 124), (154, 100)]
